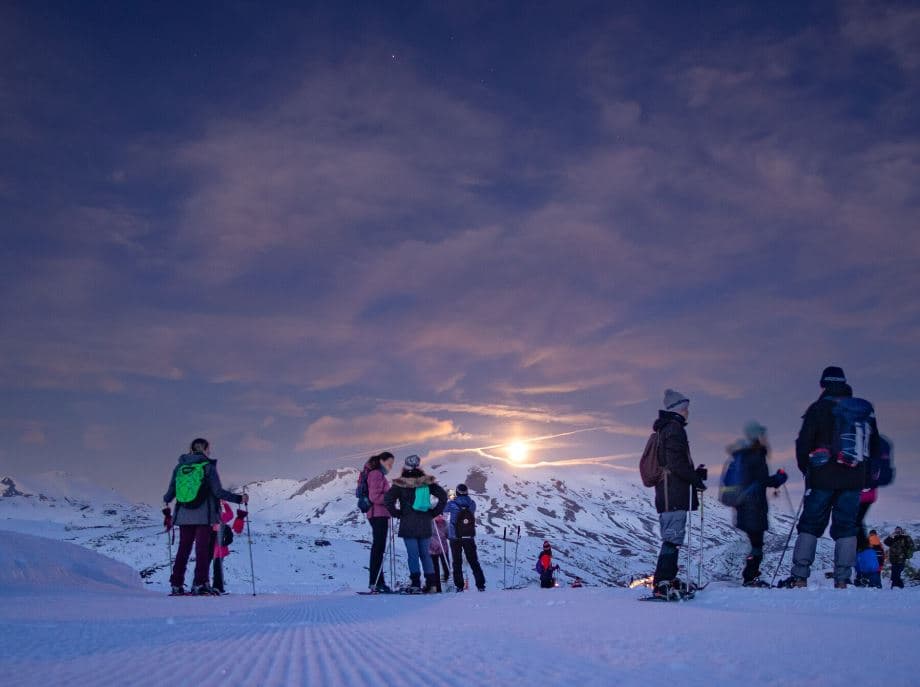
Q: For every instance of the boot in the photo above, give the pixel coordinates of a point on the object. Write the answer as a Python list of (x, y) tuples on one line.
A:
[(431, 583), (415, 582), (666, 567), (793, 582), (751, 569)]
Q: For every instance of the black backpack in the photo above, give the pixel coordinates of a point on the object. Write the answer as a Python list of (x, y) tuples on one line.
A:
[(465, 526), (362, 493)]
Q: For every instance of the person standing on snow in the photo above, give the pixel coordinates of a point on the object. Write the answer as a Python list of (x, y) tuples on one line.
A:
[(378, 516), (196, 487), (545, 567), (462, 535), (900, 549), (832, 486), (751, 511), (412, 492), (677, 493), (438, 547)]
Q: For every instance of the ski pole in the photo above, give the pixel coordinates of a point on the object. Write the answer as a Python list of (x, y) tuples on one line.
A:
[(252, 574), (788, 497), (788, 539), (505, 558), (517, 541), (699, 570)]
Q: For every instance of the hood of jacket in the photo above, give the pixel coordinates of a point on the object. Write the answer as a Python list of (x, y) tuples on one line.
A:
[(188, 458), (837, 390), (463, 501), (666, 417), (414, 481)]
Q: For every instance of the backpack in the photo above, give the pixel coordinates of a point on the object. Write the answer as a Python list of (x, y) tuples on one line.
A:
[(465, 526), (650, 469), (881, 467), (362, 493), (190, 487), (732, 489), (422, 502), (852, 431)]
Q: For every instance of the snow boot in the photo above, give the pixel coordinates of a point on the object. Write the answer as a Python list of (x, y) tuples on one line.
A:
[(666, 567), (841, 584), (431, 584), (751, 569), (415, 582), (177, 590), (756, 582), (202, 590)]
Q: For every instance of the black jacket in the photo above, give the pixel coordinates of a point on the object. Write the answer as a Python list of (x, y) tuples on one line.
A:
[(673, 492), (413, 524), (751, 514), (818, 432)]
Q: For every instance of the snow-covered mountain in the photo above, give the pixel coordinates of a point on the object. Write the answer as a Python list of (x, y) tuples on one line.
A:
[(308, 536)]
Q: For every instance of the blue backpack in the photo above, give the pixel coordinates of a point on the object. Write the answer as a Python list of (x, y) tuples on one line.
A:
[(733, 486), (853, 422), (361, 491), (881, 467)]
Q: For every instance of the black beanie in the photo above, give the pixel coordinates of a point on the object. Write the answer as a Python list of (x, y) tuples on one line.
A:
[(462, 490), (831, 375)]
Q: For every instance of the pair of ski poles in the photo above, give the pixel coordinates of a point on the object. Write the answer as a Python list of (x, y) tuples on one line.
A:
[(517, 541)]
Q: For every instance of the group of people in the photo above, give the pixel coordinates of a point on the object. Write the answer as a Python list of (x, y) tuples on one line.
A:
[(837, 490), (438, 531), (433, 535)]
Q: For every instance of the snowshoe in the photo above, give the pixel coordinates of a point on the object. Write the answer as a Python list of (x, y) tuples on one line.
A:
[(756, 582), (203, 590), (793, 582)]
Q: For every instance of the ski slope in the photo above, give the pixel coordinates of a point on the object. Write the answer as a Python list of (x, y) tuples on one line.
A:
[(71, 631)]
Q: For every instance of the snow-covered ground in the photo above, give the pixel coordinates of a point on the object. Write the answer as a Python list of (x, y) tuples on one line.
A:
[(86, 625)]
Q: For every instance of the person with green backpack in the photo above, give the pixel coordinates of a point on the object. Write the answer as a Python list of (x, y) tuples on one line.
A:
[(196, 487), (409, 500)]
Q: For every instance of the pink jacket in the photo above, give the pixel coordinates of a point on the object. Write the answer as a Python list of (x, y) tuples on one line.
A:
[(437, 545), (377, 487)]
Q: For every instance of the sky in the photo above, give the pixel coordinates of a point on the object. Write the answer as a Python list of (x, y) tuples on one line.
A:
[(309, 232)]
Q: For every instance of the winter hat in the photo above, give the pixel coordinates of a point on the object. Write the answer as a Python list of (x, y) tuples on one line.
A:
[(675, 401), (831, 375), (546, 544), (899, 530), (413, 461), (754, 430), (462, 490)]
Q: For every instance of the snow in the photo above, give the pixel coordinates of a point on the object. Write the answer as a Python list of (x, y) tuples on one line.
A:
[(78, 632)]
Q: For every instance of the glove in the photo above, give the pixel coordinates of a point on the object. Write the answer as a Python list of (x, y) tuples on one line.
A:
[(780, 477), (167, 519), (701, 474), (240, 521)]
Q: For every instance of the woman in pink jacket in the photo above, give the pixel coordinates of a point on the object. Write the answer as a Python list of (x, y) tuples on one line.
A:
[(379, 517)]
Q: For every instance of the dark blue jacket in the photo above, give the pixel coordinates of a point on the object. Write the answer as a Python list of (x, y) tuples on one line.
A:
[(413, 524), (453, 507), (751, 514), (673, 492), (818, 432)]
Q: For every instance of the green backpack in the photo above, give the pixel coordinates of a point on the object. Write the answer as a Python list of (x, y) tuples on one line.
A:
[(422, 499), (190, 489)]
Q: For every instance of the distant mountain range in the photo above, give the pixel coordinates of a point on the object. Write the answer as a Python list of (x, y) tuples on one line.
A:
[(308, 536)]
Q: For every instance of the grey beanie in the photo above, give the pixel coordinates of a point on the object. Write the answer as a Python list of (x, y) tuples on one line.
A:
[(413, 461), (674, 401), (754, 430)]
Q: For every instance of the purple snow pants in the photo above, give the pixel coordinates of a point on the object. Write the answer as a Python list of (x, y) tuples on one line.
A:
[(200, 537)]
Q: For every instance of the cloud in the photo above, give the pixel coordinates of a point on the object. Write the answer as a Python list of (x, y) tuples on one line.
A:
[(98, 437), (379, 430)]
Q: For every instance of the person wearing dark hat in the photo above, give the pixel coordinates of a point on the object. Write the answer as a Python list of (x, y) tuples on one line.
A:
[(409, 500), (545, 567), (677, 493), (461, 531), (833, 481)]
